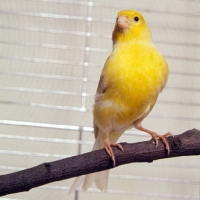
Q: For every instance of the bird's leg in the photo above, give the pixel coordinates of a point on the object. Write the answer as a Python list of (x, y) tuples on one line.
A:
[(156, 136), (108, 146)]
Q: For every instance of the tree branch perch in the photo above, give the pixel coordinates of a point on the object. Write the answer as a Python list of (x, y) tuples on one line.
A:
[(185, 144)]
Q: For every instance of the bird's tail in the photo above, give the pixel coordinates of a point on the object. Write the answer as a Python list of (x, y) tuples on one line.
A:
[(99, 178)]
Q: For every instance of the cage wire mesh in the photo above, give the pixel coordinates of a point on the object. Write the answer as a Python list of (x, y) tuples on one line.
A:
[(51, 56)]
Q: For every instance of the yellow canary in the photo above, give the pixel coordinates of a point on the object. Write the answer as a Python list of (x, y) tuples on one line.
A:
[(131, 80)]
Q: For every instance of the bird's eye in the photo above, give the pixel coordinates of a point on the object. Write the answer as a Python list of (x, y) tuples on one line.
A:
[(136, 19)]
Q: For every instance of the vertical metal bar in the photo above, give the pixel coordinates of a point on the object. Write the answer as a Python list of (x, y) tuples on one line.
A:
[(199, 186), (80, 139), (85, 72), (86, 53), (76, 196)]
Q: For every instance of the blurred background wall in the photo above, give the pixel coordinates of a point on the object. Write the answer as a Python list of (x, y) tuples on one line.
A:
[(51, 56)]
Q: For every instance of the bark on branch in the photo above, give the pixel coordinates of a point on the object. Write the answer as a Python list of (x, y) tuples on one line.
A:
[(185, 144)]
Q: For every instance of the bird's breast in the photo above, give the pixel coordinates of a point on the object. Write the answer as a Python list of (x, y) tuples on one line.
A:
[(135, 72), (134, 77)]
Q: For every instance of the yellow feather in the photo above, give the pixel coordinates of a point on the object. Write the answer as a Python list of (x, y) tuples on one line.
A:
[(131, 80), (134, 75)]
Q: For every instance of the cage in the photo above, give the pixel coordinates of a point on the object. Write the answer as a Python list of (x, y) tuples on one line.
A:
[(51, 56)]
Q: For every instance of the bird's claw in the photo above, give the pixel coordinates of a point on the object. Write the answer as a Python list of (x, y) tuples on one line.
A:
[(156, 136), (108, 148), (118, 145)]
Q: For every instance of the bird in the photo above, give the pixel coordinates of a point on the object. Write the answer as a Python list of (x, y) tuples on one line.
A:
[(132, 77)]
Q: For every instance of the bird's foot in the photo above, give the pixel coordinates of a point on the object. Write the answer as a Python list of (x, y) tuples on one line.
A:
[(156, 136), (108, 147)]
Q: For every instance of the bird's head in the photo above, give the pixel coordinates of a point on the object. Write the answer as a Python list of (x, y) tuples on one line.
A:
[(130, 26)]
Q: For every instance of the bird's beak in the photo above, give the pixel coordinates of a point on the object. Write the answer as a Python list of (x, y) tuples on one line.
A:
[(122, 22)]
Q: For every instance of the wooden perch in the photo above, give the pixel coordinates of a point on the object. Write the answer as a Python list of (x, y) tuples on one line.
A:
[(186, 144)]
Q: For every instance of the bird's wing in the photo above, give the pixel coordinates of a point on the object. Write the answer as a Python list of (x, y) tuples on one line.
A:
[(101, 88)]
